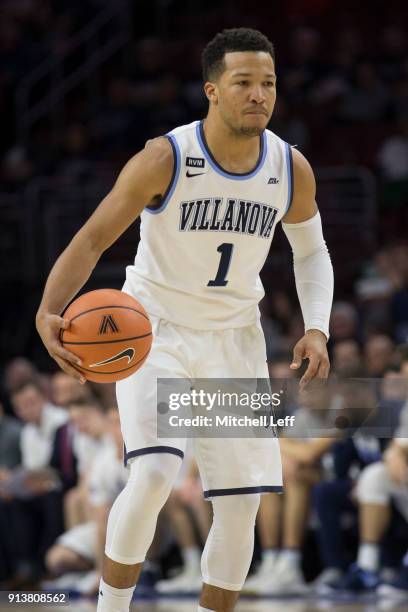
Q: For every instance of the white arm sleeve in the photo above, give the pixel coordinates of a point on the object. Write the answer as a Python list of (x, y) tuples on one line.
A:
[(313, 272)]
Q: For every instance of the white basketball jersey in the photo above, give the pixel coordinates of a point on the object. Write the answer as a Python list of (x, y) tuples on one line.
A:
[(201, 251)]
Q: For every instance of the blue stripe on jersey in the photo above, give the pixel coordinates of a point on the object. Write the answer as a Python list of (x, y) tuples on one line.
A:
[(214, 164), (173, 182), (289, 165)]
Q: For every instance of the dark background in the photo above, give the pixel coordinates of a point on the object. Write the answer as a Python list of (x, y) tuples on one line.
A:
[(83, 85)]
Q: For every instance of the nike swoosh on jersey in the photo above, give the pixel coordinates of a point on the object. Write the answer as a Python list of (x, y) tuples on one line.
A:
[(128, 353), (195, 174)]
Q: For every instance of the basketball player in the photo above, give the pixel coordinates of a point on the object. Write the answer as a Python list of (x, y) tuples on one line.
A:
[(210, 195)]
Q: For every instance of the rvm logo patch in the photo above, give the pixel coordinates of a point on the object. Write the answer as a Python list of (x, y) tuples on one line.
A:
[(108, 324), (195, 162)]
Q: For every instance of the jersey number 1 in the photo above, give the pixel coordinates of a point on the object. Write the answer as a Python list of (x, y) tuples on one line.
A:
[(225, 249)]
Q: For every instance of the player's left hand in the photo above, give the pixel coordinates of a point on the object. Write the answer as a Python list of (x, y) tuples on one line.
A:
[(312, 347)]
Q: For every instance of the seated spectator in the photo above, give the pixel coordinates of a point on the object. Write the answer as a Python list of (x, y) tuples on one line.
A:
[(32, 493), (21, 370), (10, 433), (346, 358), (393, 159), (287, 514), (367, 98), (382, 495), (66, 389), (41, 419), (333, 501), (82, 547), (343, 321), (379, 485), (10, 457), (378, 354), (88, 421)]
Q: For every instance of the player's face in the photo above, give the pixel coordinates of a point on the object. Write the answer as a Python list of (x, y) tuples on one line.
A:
[(245, 93)]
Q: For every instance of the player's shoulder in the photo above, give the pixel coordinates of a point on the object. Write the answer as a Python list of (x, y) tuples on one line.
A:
[(161, 149), (302, 171), (184, 130)]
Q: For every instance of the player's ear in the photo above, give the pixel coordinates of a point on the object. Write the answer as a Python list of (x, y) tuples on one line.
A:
[(211, 92)]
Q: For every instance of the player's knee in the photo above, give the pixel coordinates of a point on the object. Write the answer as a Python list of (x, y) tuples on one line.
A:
[(372, 485), (154, 477), (236, 511)]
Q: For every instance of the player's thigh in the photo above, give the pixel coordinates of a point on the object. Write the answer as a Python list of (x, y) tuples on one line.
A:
[(137, 394)]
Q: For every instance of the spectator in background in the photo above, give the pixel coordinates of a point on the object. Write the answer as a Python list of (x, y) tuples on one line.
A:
[(393, 52), (393, 157), (88, 424), (32, 493), (16, 169), (378, 354), (367, 98), (118, 121), (333, 500), (75, 445), (82, 547), (343, 322), (282, 519), (41, 420), (10, 450), (359, 477), (347, 359), (378, 485), (389, 287), (147, 71), (75, 163), (10, 457), (20, 370), (65, 389), (305, 65)]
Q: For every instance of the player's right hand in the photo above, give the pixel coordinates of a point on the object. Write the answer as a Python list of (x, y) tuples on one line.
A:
[(49, 327)]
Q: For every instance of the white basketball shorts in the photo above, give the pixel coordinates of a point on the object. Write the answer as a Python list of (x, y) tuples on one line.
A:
[(228, 466)]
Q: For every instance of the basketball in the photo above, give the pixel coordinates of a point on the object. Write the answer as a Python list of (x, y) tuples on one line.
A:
[(110, 332)]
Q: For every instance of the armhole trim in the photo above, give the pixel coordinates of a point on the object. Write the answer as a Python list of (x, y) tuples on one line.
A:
[(174, 178), (289, 167)]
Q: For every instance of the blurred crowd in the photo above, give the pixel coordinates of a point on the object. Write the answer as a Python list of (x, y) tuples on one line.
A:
[(341, 523), (342, 85)]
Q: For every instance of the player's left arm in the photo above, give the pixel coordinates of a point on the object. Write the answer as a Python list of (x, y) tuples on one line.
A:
[(313, 271)]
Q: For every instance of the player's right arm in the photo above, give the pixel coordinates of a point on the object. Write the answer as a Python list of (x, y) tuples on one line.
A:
[(145, 177)]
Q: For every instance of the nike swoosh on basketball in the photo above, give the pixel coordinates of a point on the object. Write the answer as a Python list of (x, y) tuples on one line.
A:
[(128, 353), (195, 174)]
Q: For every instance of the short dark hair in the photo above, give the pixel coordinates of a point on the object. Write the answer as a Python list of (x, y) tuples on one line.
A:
[(87, 402), (228, 41), (25, 384)]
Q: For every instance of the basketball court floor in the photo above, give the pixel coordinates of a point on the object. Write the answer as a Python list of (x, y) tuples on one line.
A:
[(245, 605)]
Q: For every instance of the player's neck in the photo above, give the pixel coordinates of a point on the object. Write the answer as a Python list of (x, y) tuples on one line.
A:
[(234, 153)]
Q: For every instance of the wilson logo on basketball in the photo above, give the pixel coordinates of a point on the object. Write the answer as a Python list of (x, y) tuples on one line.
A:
[(108, 324)]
